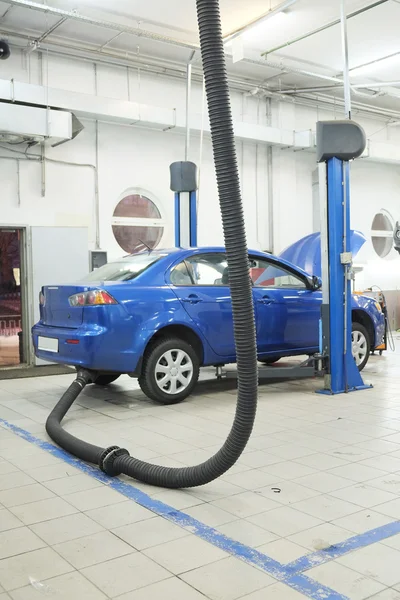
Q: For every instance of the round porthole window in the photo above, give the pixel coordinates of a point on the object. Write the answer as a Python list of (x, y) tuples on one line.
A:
[(382, 233), (137, 223)]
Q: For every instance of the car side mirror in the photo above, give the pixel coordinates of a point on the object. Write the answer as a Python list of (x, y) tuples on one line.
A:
[(316, 283)]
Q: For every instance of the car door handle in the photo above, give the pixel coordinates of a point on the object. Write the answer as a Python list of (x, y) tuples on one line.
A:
[(192, 299), (266, 300)]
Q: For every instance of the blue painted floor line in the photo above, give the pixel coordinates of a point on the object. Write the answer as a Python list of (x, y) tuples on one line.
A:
[(357, 542), (286, 574)]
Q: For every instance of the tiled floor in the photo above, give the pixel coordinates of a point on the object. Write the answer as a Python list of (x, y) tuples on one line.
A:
[(318, 471)]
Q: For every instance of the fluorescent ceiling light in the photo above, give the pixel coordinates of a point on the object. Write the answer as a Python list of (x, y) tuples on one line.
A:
[(386, 61), (278, 10)]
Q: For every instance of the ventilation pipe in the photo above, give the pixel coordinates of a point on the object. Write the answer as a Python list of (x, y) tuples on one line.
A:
[(114, 460)]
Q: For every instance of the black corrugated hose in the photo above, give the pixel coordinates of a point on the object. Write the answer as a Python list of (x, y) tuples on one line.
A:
[(114, 460)]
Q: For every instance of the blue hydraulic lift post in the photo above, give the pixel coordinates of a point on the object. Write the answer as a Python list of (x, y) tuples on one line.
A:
[(186, 219), (338, 142), (184, 182), (342, 372)]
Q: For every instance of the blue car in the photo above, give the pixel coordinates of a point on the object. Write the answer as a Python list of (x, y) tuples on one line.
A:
[(161, 315)]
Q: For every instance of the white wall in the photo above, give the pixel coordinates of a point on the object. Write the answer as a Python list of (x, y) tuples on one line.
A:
[(131, 157), (374, 187)]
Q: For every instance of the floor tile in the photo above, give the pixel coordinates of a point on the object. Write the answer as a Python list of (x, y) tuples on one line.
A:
[(363, 521), (380, 446), (364, 495), (8, 520), (18, 541), (215, 491), (391, 509), (322, 462), (95, 498), (352, 454), (283, 550), (331, 460), (15, 480), (170, 589), (258, 459), (287, 492), (179, 499), (125, 574), (321, 537), (66, 528), (33, 460), (377, 562), (51, 472), (185, 554), (7, 467), (357, 472), (39, 564), (44, 510), (277, 591), (393, 541), (210, 515), (151, 532), (246, 504), (345, 581), (24, 495), (386, 595), (382, 462), (284, 521), (127, 512), (247, 533), (388, 482), (69, 485), (290, 452), (64, 587), (326, 507), (289, 470), (227, 579), (93, 549), (252, 479)]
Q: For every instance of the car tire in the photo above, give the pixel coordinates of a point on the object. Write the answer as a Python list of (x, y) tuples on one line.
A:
[(270, 361), (170, 371), (106, 379), (361, 345)]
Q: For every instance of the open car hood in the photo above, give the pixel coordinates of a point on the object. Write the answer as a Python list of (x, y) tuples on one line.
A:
[(306, 253)]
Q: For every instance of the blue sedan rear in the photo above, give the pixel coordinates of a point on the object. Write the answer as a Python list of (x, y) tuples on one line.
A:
[(161, 315)]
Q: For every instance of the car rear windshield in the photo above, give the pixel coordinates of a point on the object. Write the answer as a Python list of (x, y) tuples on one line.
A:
[(124, 270)]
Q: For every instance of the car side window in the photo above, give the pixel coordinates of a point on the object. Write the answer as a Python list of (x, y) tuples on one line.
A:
[(202, 269), (269, 275), (181, 275)]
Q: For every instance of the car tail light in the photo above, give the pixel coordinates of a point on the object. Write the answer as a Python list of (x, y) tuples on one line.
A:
[(93, 298), (41, 299)]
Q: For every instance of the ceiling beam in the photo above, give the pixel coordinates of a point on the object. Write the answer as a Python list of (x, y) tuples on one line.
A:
[(75, 16), (51, 29), (264, 17), (324, 27)]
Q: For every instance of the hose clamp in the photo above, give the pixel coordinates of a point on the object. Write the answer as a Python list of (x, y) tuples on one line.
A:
[(108, 457)]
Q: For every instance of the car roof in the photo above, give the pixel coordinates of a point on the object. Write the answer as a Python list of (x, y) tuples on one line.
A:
[(176, 253)]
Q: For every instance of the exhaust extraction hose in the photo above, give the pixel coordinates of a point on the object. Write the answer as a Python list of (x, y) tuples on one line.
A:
[(115, 460)]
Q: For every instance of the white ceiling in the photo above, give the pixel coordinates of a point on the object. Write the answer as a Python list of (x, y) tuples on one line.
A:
[(372, 36)]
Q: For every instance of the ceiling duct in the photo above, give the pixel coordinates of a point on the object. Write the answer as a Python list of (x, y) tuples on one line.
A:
[(33, 125), (76, 128)]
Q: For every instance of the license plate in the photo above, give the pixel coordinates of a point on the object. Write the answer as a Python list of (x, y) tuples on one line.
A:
[(47, 344)]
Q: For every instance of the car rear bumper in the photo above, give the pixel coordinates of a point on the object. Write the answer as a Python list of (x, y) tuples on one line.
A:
[(94, 348)]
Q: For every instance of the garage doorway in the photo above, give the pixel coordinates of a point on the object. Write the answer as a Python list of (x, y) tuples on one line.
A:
[(11, 297)]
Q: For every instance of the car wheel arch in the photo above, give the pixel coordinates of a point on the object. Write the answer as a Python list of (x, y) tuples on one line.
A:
[(183, 332), (363, 318)]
